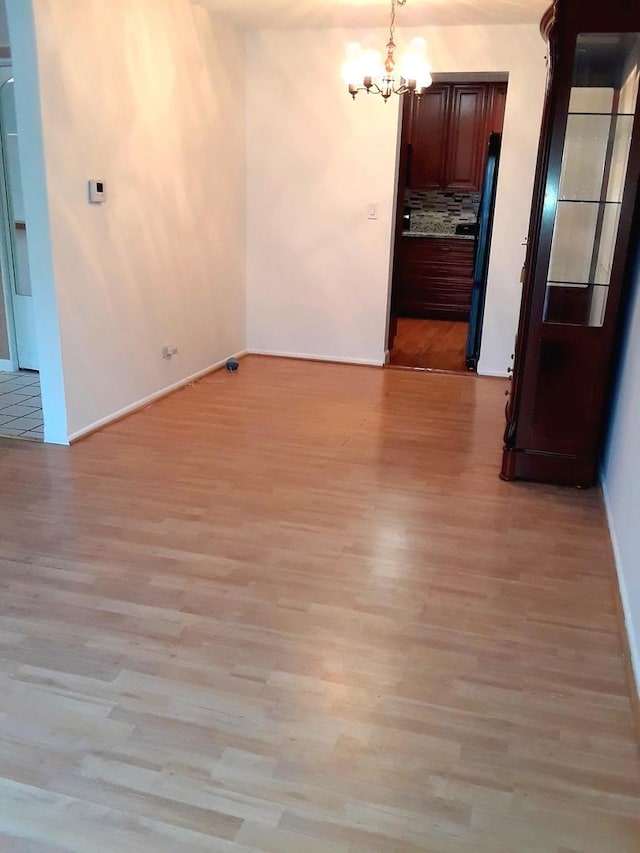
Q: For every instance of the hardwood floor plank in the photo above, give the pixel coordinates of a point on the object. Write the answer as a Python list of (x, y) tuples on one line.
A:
[(296, 609), (430, 344)]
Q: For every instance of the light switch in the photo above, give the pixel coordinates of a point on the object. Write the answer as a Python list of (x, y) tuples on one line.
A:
[(373, 210), (97, 192)]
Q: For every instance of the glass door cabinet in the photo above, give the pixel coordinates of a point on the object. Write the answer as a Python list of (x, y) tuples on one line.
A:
[(584, 227)]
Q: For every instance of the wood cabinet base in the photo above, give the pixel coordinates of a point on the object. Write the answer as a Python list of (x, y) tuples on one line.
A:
[(552, 468), (433, 278), (419, 312)]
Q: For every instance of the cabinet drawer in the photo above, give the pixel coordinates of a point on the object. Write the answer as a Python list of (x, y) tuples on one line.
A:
[(434, 278), (429, 246), (429, 251), (438, 268), (444, 298), (438, 291)]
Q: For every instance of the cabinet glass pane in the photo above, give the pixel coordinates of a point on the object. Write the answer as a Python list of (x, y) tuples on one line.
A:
[(594, 167), (590, 259), (576, 305), (595, 157)]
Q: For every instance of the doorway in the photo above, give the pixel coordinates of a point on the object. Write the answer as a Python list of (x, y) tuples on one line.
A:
[(20, 399), (449, 158), (19, 333)]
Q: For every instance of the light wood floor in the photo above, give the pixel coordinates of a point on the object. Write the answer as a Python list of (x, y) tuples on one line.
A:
[(435, 344), (295, 610)]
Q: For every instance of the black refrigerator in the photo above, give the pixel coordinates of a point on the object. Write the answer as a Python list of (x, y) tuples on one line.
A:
[(483, 247)]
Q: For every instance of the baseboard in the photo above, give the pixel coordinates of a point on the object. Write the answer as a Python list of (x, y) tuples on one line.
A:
[(625, 618), (8, 366), (492, 373), (152, 398), (310, 357)]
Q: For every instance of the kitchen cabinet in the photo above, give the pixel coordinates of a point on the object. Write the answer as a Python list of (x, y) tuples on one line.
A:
[(497, 102), (448, 133), (434, 278), (467, 137), (582, 236), (428, 135)]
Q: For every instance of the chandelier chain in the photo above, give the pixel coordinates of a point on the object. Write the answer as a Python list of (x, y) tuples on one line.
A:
[(392, 29)]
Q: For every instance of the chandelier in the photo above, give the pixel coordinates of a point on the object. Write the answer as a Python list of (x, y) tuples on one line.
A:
[(364, 70)]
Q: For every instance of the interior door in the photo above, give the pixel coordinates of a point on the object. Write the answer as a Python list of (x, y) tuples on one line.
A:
[(15, 223)]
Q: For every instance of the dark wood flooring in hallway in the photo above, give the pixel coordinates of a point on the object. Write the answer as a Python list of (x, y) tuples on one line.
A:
[(435, 344)]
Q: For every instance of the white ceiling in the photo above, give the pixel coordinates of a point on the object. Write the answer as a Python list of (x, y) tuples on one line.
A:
[(255, 14)]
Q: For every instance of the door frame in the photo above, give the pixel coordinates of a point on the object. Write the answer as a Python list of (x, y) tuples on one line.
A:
[(7, 268), (402, 156)]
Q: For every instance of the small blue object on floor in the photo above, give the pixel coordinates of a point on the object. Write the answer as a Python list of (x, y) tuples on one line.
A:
[(232, 365)]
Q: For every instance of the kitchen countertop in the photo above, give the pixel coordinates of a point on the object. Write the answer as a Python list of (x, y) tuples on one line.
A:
[(444, 235)]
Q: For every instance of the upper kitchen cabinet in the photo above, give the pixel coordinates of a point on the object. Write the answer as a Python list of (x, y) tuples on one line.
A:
[(497, 95), (450, 127), (427, 155), (468, 135)]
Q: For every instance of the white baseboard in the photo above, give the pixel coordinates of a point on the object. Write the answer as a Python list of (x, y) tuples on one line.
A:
[(152, 398), (312, 357), (8, 366), (496, 374), (624, 594)]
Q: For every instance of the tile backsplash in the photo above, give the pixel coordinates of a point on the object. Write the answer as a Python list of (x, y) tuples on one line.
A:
[(441, 208)]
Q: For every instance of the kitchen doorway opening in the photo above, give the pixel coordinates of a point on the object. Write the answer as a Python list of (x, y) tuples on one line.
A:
[(450, 141)]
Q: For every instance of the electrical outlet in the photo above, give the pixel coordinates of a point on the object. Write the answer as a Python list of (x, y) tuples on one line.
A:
[(169, 351)]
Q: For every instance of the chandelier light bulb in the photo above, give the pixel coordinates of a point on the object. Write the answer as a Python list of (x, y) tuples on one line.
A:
[(414, 65), (371, 64), (352, 67)]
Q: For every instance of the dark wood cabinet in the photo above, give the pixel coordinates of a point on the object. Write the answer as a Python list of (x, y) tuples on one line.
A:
[(449, 128), (434, 278), (582, 228), (428, 135), (467, 137), (496, 105)]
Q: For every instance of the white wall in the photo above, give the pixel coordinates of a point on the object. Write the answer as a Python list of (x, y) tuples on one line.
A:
[(148, 96), (621, 478), (317, 270)]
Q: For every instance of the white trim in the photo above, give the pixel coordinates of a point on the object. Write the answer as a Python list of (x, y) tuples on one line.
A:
[(624, 595), (7, 365), (152, 398), (495, 373), (7, 262), (305, 356)]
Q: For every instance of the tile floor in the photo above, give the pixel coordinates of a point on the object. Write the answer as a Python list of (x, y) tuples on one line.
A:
[(21, 405)]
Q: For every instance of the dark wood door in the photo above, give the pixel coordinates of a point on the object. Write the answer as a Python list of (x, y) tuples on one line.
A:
[(428, 142), (497, 102), (466, 143)]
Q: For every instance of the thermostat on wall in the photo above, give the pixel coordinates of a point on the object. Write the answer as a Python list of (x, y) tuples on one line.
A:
[(97, 192)]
